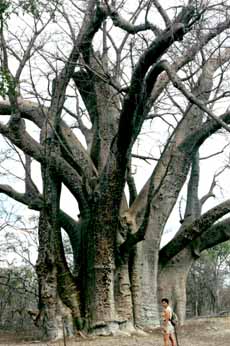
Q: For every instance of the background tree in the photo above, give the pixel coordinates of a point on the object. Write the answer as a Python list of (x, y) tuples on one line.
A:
[(92, 82), (18, 296), (208, 282), (18, 281)]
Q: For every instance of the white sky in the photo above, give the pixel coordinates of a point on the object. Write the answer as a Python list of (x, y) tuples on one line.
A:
[(208, 167)]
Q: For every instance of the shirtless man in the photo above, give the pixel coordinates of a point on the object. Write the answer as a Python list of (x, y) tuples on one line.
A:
[(167, 327)]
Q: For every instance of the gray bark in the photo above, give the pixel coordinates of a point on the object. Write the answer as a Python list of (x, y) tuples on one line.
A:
[(173, 274), (115, 283), (172, 281), (53, 315)]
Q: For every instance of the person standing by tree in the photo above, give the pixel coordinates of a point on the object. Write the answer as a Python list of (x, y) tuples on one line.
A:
[(167, 327)]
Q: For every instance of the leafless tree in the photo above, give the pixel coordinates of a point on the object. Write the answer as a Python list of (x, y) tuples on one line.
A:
[(107, 71), (208, 282)]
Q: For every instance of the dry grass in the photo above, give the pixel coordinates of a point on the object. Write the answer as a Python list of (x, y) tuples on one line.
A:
[(200, 332)]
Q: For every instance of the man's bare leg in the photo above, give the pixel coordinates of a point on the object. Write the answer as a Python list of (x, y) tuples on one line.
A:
[(166, 339), (172, 339)]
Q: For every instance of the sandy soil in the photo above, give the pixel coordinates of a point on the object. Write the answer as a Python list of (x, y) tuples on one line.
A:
[(199, 332)]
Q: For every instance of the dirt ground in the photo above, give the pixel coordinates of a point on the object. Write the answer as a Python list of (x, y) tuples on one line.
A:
[(200, 332)]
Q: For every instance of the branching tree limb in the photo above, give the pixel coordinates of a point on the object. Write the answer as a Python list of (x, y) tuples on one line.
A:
[(195, 229)]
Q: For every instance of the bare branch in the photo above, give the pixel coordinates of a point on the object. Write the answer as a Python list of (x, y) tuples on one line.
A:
[(139, 235), (215, 154), (131, 29), (92, 22), (29, 146), (145, 158), (128, 118), (188, 56), (38, 114), (162, 12), (179, 85)]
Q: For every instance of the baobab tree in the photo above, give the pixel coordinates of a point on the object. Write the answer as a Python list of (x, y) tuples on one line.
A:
[(92, 76)]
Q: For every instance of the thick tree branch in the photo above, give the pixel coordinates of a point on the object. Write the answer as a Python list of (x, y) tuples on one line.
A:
[(29, 146), (139, 235), (216, 234), (128, 116), (197, 138), (177, 143), (29, 110), (186, 57), (129, 27), (85, 85), (162, 12), (193, 230), (131, 184), (24, 198), (193, 208), (133, 238), (31, 189), (38, 115), (92, 21), (36, 202)]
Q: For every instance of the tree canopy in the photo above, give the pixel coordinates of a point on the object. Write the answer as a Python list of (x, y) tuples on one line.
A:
[(89, 90)]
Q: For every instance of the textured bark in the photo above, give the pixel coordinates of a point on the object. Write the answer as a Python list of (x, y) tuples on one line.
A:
[(114, 284), (123, 296), (193, 230), (135, 279), (172, 281), (65, 297), (172, 160), (104, 228), (173, 274), (100, 267), (103, 107), (218, 233), (53, 315)]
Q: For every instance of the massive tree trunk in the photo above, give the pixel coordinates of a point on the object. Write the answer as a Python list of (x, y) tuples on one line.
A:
[(100, 305), (172, 281), (113, 285), (58, 294), (54, 317)]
